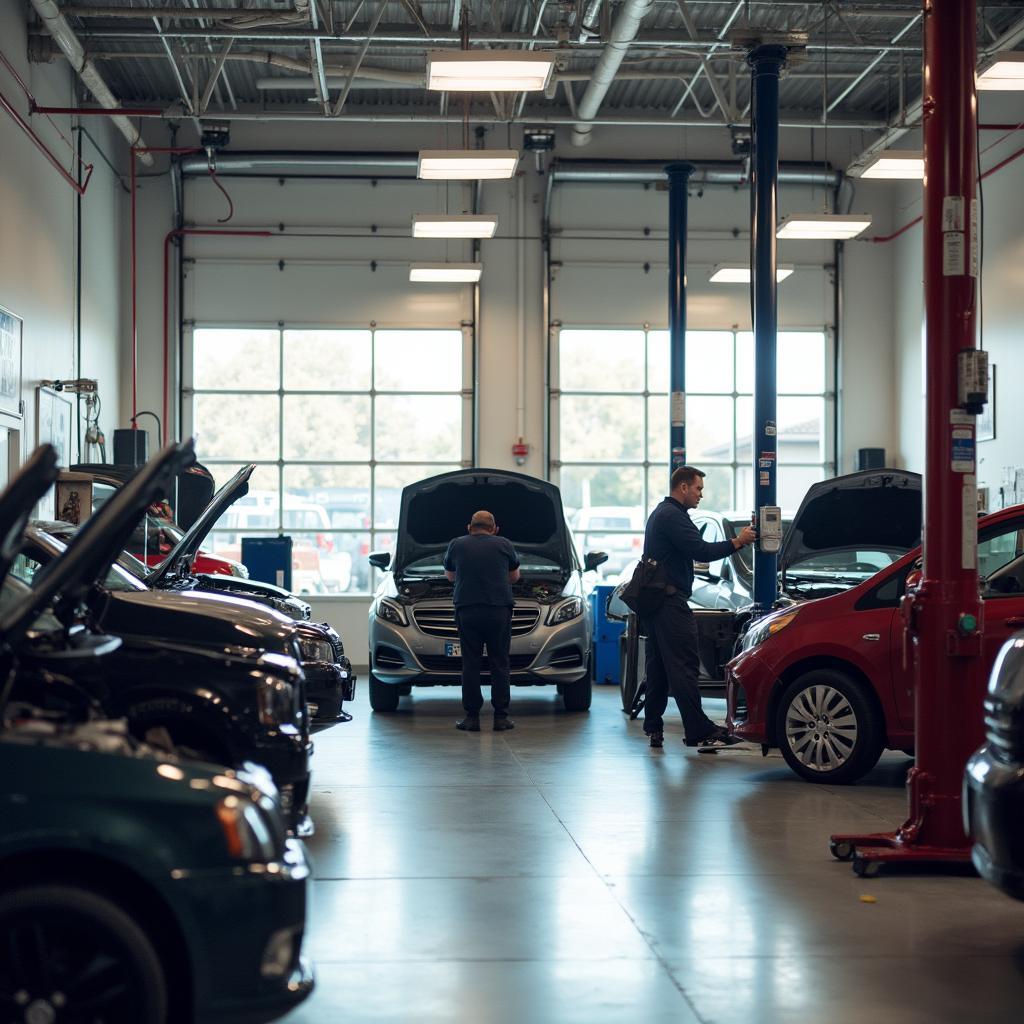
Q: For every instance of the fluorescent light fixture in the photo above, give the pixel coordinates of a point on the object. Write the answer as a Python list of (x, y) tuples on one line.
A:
[(823, 226), (488, 70), (1006, 73), (432, 225), (450, 273), (895, 163), (456, 164), (739, 273)]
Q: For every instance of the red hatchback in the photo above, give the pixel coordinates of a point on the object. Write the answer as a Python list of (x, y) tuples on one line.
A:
[(824, 680)]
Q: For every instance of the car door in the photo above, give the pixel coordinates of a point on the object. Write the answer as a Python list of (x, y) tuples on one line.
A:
[(1001, 568)]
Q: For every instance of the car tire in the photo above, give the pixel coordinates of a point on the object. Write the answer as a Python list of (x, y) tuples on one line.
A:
[(65, 934), (577, 696), (828, 728), (383, 697)]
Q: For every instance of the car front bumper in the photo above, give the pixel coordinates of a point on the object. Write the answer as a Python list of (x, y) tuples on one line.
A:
[(328, 686), (286, 753), (546, 655), (749, 681), (234, 920), (993, 808)]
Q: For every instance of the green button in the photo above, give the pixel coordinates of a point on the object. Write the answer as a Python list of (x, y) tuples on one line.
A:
[(968, 624)]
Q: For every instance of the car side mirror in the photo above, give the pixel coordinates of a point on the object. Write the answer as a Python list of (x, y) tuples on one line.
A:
[(592, 559), (379, 559)]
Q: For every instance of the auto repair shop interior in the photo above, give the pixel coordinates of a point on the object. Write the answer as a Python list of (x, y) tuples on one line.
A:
[(269, 268)]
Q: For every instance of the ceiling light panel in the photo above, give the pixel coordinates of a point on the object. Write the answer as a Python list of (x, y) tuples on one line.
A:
[(488, 70), (462, 164), (896, 164), (823, 226), (1005, 74), (446, 273), (431, 225), (739, 273)]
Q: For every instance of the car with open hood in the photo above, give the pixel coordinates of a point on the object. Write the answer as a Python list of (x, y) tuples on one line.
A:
[(217, 677), (825, 681), (413, 637), (330, 680)]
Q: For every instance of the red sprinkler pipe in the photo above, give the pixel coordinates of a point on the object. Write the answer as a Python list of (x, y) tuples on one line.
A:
[(177, 233), (944, 616)]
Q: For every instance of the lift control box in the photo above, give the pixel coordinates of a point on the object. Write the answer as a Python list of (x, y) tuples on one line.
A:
[(769, 531)]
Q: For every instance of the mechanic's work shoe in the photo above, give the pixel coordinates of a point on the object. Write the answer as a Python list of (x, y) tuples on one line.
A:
[(657, 740), (471, 723), (503, 723), (717, 740)]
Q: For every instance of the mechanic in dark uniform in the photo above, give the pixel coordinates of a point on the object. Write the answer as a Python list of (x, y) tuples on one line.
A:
[(672, 658), (483, 567)]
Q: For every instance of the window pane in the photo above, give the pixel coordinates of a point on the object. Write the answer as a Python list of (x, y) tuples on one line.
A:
[(602, 429), (709, 425), (718, 495), (801, 361), (658, 429), (708, 361), (342, 491), (745, 363), (657, 485), (418, 360), (320, 563), (327, 427), (801, 433), (327, 360), (601, 360), (418, 427), (380, 542), (262, 487), (793, 482), (588, 486), (235, 359), (236, 426), (744, 430), (388, 484)]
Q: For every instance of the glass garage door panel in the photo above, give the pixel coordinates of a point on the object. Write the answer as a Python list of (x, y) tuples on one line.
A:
[(412, 428), (601, 430), (418, 360), (709, 361), (327, 360), (601, 360), (327, 428), (236, 426), (239, 359)]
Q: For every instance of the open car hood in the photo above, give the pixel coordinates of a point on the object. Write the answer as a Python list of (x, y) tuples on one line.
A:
[(19, 498), (186, 548), (436, 510), (98, 543), (874, 509)]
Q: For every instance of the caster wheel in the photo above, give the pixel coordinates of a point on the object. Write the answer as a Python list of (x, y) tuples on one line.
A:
[(841, 851), (865, 868)]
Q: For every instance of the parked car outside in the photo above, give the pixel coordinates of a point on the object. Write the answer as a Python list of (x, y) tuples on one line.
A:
[(217, 677), (825, 681), (623, 544), (993, 801), (413, 637)]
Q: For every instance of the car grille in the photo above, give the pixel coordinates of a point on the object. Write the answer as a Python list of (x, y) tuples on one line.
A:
[(441, 621), (439, 663)]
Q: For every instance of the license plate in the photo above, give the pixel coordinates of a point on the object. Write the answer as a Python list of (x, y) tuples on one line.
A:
[(452, 650)]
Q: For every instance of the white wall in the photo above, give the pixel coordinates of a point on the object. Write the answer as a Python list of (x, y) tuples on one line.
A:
[(330, 280), (37, 239), (1002, 306)]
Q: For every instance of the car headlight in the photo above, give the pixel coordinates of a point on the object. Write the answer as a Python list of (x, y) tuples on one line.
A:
[(391, 611), (768, 627), (565, 611), (275, 700), (247, 835), (316, 650), (239, 570)]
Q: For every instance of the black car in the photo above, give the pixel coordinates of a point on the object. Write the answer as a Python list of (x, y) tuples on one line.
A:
[(217, 677), (330, 680), (993, 802), (133, 886)]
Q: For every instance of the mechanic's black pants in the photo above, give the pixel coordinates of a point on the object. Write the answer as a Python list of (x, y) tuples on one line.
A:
[(673, 666), (481, 624)]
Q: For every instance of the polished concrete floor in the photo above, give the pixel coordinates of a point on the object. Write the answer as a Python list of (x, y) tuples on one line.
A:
[(564, 872)]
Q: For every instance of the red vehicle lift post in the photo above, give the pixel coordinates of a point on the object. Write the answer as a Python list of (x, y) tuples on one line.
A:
[(943, 618)]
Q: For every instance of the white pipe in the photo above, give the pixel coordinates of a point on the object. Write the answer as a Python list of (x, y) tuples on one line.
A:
[(626, 27), (65, 38)]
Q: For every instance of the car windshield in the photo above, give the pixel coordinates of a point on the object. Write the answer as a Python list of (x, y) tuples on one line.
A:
[(859, 563)]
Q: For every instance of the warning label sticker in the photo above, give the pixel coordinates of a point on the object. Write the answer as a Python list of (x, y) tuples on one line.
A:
[(969, 523), (678, 409), (963, 449), (953, 254), (953, 213), (972, 259)]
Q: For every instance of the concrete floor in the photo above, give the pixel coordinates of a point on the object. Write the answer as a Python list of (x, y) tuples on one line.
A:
[(564, 872)]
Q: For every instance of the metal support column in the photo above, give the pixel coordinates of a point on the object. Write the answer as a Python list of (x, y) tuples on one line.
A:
[(678, 179), (943, 617), (766, 63)]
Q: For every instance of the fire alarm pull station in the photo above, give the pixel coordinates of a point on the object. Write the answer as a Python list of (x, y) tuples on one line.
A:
[(769, 534)]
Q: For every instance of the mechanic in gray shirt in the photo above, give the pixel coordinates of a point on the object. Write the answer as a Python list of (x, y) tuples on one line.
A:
[(672, 656), (483, 567)]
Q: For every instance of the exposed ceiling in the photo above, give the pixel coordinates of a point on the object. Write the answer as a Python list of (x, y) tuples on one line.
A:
[(364, 59)]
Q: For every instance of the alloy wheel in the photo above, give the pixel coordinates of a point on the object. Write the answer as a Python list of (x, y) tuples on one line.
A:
[(821, 728)]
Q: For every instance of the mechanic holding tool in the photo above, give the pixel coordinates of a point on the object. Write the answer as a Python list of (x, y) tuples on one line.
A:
[(672, 657), (483, 567)]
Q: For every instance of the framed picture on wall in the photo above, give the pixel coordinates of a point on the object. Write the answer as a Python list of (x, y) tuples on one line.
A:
[(10, 362), (54, 420), (986, 425)]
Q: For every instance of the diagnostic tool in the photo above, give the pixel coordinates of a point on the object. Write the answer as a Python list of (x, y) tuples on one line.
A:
[(769, 534)]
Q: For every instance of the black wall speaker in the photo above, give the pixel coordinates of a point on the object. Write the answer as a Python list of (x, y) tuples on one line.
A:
[(870, 458), (131, 447)]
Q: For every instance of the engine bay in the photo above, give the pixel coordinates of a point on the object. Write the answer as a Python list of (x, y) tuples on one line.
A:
[(545, 588)]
